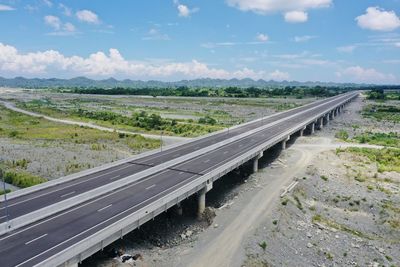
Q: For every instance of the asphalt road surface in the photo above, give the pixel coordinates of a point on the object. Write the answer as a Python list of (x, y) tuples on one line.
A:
[(32, 244), (51, 195)]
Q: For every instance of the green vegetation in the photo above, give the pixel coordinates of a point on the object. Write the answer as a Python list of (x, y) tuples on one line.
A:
[(2, 191), (323, 177), (342, 134), (137, 121), (382, 112), (319, 219), (382, 139), (387, 159), (263, 245), (22, 179), (298, 203), (288, 91), (29, 128), (381, 95)]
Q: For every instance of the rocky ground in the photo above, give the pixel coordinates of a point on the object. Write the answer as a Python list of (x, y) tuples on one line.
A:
[(328, 219)]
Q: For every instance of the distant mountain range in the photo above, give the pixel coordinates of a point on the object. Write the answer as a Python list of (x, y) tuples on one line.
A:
[(21, 82)]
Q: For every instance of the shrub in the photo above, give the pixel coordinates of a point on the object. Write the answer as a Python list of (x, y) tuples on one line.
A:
[(263, 245), (342, 134), (22, 179)]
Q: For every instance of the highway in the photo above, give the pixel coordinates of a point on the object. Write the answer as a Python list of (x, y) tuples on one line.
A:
[(34, 243), (41, 198)]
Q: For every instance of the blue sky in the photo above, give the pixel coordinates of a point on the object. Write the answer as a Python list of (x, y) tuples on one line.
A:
[(318, 40)]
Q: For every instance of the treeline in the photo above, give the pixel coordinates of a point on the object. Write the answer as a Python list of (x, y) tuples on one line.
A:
[(289, 91), (382, 94)]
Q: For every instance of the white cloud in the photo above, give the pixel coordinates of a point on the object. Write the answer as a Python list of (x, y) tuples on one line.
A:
[(279, 76), (359, 74), (397, 44), (88, 16), (377, 19), (100, 64), (185, 11), (296, 16), (60, 28), (262, 37), (66, 10), (69, 27), (6, 8), (303, 39), (155, 34), (53, 22), (268, 6), (47, 3), (346, 49)]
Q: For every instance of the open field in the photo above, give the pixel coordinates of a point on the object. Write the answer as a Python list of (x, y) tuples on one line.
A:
[(34, 149), (177, 116)]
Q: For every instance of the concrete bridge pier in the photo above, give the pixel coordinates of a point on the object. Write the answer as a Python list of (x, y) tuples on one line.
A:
[(179, 209), (302, 131), (255, 162), (321, 123), (313, 128), (327, 119), (202, 199), (284, 142)]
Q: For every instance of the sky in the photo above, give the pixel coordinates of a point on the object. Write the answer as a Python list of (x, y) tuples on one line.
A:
[(303, 40)]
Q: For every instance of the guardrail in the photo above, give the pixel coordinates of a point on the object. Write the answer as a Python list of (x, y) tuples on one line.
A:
[(44, 212), (78, 175), (116, 230)]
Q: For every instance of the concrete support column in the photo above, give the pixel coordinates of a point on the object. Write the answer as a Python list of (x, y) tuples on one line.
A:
[(302, 131), (321, 123), (284, 143), (255, 162), (179, 209), (201, 202), (327, 119), (312, 128)]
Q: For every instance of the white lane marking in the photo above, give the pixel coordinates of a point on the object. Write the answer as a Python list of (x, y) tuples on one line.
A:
[(181, 172), (240, 145), (61, 214), (33, 240), (94, 225), (101, 223), (106, 207), (70, 193), (2, 217), (207, 161), (226, 152), (151, 186), (318, 104), (29, 199), (78, 207), (115, 177)]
